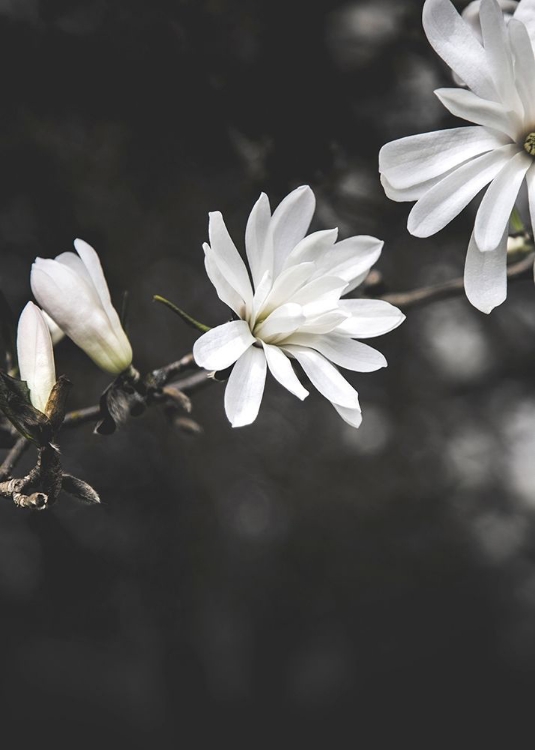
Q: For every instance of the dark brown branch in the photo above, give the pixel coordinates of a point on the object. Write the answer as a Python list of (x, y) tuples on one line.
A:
[(404, 300), (13, 457)]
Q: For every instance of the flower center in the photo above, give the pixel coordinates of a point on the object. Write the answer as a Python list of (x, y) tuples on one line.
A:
[(529, 144)]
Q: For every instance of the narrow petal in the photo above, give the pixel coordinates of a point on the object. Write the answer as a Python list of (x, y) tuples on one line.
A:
[(56, 334), (325, 377), (412, 193), (526, 14), (369, 317), (485, 275), (524, 65), (75, 307), (447, 199), (320, 294), (282, 321), (245, 387), (324, 322), (498, 52), (342, 351), (220, 347), (255, 239), (456, 44), (35, 355), (290, 223), (465, 104), (286, 286), (353, 417), (530, 180), (350, 258), (495, 210), (282, 370), (228, 258), (418, 158), (225, 291), (312, 247)]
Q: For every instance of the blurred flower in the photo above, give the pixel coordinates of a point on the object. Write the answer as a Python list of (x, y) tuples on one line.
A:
[(73, 291), (292, 310), (444, 170), (35, 355)]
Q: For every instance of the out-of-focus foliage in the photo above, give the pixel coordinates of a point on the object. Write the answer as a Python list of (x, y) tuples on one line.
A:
[(296, 573)]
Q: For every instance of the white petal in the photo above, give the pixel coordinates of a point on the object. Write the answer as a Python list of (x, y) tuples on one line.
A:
[(369, 317), (456, 44), (524, 66), (281, 322), (418, 158), (496, 44), (93, 266), (221, 346), (255, 239), (495, 210), (76, 308), (245, 387), (465, 104), (526, 14), (228, 258), (312, 247), (290, 223), (56, 334), (325, 377), (353, 417), (320, 295), (282, 370), (447, 199), (342, 351), (530, 180), (286, 286), (35, 355), (324, 322), (485, 275), (350, 258), (225, 291)]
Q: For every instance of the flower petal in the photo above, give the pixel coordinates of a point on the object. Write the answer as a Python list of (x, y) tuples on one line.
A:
[(75, 307), (465, 104), (281, 322), (530, 180), (498, 52), (454, 41), (286, 286), (369, 317), (526, 14), (290, 223), (225, 291), (282, 370), (353, 417), (228, 258), (255, 239), (495, 210), (312, 247), (447, 199), (417, 158), (324, 376), (350, 258), (485, 275), (245, 387), (35, 355), (222, 346), (522, 48), (342, 351)]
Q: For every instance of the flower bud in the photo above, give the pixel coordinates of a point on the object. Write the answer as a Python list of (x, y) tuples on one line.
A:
[(35, 355), (73, 291)]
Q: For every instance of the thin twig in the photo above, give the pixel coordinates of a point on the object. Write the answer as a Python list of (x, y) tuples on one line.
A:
[(13, 457), (404, 300)]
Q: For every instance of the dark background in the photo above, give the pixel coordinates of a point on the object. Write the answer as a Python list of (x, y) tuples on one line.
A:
[(294, 582)]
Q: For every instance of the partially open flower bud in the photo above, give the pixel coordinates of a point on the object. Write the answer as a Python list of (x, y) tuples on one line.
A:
[(73, 291), (35, 355)]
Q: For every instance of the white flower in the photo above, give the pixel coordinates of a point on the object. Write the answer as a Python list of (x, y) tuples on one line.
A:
[(292, 310), (443, 171), (56, 334), (35, 355), (73, 291)]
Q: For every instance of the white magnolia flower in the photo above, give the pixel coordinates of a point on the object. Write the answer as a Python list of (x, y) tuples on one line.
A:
[(292, 310), (56, 334), (35, 355), (443, 171), (73, 291)]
